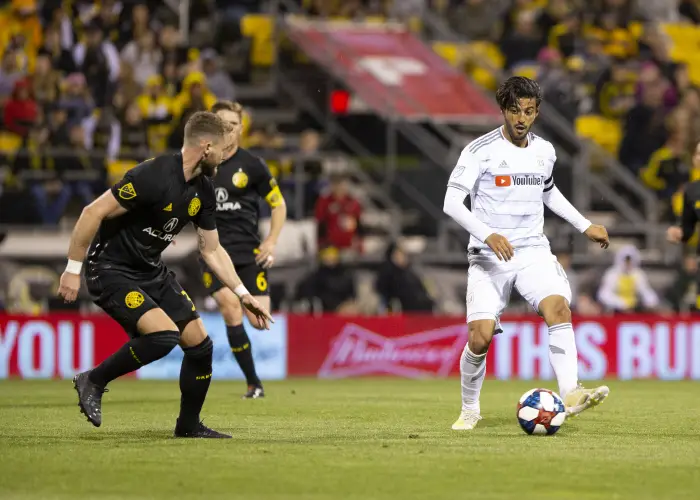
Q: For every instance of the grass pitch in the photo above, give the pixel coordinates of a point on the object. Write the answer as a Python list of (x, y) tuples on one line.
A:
[(346, 439)]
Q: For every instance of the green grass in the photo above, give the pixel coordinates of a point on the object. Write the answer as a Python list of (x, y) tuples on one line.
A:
[(355, 439)]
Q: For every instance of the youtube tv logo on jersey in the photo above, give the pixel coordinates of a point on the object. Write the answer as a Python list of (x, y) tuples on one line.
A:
[(503, 180)]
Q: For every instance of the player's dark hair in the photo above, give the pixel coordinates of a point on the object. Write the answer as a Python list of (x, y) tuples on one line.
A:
[(224, 105), (515, 88), (204, 124)]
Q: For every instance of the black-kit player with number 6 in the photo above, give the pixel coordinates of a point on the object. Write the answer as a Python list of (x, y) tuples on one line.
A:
[(130, 225), (243, 180)]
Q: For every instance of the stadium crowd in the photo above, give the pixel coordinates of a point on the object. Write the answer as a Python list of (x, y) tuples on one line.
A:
[(90, 88)]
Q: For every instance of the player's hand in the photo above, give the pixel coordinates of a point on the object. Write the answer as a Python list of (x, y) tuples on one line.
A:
[(265, 257), (68, 286), (500, 246), (674, 234), (598, 234), (263, 316)]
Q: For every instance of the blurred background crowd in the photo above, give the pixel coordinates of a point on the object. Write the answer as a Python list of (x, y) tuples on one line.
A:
[(90, 88)]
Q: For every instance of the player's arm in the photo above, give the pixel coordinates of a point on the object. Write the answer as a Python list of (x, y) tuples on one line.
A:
[(268, 189), (462, 181), (557, 203), (218, 260), (136, 188)]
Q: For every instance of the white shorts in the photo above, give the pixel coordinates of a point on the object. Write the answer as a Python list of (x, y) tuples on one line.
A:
[(535, 273)]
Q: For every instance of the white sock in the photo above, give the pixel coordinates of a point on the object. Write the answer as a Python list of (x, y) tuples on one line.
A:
[(473, 369), (564, 357)]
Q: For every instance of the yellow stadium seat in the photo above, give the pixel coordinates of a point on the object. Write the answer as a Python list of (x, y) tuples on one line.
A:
[(605, 132), (527, 70), (490, 51), (9, 142), (117, 168), (448, 51), (260, 28)]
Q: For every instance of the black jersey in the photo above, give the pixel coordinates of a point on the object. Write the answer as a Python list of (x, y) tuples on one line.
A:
[(160, 203), (241, 182), (691, 210)]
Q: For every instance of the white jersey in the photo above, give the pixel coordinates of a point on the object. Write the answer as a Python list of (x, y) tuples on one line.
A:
[(506, 185)]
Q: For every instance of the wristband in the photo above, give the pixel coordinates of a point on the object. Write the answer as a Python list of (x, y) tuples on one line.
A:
[(241, 290), (74, 266)]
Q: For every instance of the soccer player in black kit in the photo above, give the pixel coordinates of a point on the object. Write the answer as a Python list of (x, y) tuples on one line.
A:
[(130, 225), (682, 232), (241, 182)]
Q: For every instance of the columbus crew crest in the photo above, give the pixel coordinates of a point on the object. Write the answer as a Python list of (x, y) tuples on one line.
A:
[(240, 179)]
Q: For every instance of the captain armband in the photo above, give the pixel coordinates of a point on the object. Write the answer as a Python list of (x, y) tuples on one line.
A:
[(274, 198)]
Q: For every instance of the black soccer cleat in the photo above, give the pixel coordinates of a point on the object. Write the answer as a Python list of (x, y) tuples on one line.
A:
[(200, 431), (254, 392), (89, 398)]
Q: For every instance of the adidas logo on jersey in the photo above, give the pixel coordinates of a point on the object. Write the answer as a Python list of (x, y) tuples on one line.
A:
[(169, 208), (503, 164)]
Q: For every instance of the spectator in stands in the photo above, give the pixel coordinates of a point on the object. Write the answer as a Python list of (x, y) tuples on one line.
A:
[(195, 96), (475, 19), (98, 60), (614, 95), (137, 24), (331, 285), (134, 138), (46, 81), (338, 216), (565, 36), (645, 129), (218, 80), (399, 286), (625, 287), (559, 85), (155, 107), (522, 44), (690, 10), (75, 99), (169, 43), (56, 127), (127, 90), (308, 160), (21, 110), (10, 73), (662, 11), (73, 159), (144, 56), (102, 133), (61, 58), (668, 169), (682, 294)]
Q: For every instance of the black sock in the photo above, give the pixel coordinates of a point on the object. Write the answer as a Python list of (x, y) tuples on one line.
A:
[(195, 377), (243, 352), (136, 353)]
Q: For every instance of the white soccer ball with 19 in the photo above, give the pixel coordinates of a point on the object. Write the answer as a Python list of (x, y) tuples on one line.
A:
[(541, 411)]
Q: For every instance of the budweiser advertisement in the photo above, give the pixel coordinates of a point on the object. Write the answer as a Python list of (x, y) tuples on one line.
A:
[(621, 347), (55, 345), (392, 71)]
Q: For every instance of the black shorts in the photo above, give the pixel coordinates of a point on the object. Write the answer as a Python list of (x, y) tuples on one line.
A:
[(126, 301), (252, 275)]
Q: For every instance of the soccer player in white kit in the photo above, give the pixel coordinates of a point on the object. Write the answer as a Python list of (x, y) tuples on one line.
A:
[(508, 175)]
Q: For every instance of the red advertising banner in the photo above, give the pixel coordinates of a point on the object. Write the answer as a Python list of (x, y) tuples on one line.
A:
[(623, 347), (393, 71), (55, 345)]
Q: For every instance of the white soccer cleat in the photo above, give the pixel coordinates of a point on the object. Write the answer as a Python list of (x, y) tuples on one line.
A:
[(467, 420), (581, 399)]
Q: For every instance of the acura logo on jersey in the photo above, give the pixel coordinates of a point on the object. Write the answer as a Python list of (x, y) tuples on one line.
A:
[(221, 195), (519, 180), (165, 234), (170, 225)]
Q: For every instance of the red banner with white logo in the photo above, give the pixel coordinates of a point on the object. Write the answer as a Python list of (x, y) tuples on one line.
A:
[(55, 345), (620, 347), (393, 71)]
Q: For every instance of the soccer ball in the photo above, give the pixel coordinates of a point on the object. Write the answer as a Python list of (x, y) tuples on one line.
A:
[(541, 411)]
